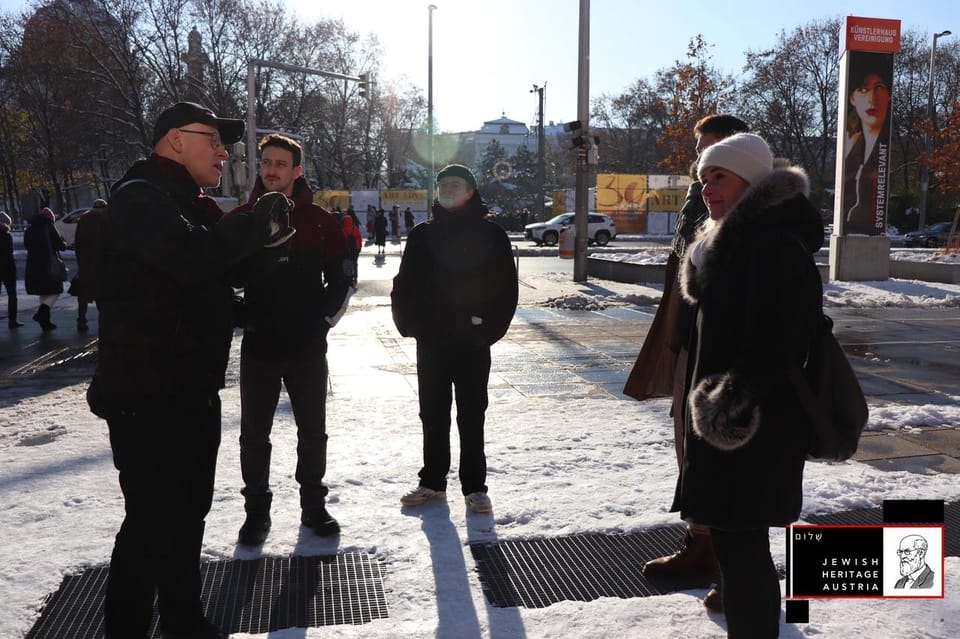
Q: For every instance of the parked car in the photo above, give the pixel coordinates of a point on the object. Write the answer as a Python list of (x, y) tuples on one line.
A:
[(600, 229), (67, 224), (930, 237)]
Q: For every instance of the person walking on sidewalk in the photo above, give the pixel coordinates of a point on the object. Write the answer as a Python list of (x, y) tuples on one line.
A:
[(354, 244), (8, 269), (662, 364), (380, 231), (456, 293), (288, 311), (86, 244), (166, 322), (395, 221), (745, 434), (45, 272)]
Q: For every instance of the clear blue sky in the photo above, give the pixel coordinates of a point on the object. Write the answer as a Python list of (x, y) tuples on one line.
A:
[(487, 54)]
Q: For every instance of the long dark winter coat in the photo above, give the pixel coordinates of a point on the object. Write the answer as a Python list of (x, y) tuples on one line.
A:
[(759, 296), (8, 267), (41, 239), (162, 287), (456, 266)]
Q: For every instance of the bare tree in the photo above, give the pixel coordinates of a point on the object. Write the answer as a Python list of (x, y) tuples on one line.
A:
[(790, 98), (688, 91)]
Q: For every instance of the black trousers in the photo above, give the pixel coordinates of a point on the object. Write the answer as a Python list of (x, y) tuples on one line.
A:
[(11, 285), (442, 367), (165, 448), (750, 585), (304, 373)]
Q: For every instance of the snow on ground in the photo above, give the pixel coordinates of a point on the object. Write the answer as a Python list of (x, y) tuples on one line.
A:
[(926, 255), (889, 293), (556, 467)]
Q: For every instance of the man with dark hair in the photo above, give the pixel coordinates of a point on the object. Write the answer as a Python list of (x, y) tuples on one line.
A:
[(456, 292), (661, 367), (287, 315), (163, 292)]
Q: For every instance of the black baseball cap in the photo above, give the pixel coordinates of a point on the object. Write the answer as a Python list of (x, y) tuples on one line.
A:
[(183, 113)]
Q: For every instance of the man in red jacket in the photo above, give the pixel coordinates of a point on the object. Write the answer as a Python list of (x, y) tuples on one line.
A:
[(288, 310)]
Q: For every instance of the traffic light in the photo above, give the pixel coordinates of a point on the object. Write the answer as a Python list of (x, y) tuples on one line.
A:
[(575, 129), (364, 83)]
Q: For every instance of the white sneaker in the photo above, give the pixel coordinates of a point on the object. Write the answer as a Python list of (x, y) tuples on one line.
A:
[(478, 502), (421, 496)]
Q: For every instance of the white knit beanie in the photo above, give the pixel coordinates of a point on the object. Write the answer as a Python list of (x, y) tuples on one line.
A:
[(745, 154)]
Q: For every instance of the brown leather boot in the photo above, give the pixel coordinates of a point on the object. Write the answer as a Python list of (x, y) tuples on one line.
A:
[(714, 599), (693, 566)]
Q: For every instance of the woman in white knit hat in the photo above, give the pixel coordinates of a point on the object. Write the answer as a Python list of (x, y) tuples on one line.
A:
[(758, 295)]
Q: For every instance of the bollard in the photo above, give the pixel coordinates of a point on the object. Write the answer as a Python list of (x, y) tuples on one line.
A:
[(568, 242)]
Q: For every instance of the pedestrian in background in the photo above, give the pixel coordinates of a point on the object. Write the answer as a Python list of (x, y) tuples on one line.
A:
[(661, 367), (85, 245), (8, 269), (356, 220), (354, 244), (759, 301), (395, 221), (371, 219), (166, 323), (456, 293), (380, 231), (408, 219), (288, 311), (45, 272)]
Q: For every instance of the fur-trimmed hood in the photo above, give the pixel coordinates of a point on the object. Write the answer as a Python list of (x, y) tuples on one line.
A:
[(778, 202)]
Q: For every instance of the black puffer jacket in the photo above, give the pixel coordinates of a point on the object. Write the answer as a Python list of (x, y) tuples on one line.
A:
[(759, 299), (455, 267), (162, 287), (289, 292)]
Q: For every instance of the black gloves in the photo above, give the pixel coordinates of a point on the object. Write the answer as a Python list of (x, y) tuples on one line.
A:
[(276, 207)]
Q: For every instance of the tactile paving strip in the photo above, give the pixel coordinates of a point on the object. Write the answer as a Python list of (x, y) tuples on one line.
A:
[(253, 596)]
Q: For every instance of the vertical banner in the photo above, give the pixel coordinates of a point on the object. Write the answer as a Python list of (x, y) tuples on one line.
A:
[(864, 125)]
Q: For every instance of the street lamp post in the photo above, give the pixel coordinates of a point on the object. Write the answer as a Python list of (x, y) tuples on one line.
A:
[(583, 115), (541, 152), (931, 123), (433, 170)]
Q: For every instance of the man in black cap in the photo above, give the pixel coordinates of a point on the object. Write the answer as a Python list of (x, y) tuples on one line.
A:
[(165, 330), (455, 292)]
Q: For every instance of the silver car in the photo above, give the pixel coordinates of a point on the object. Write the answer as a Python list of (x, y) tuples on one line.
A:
[(600, 229), (67, 225)]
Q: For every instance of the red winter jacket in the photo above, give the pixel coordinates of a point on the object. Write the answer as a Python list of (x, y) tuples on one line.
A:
[(352, 233)]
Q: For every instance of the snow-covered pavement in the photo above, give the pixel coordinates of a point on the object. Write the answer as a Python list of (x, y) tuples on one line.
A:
[(574, 461)]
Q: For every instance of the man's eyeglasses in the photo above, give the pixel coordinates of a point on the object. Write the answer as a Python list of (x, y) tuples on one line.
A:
[(215, 142), (908, 551)]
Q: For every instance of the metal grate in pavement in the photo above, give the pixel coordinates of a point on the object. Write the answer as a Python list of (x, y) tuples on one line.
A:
[(252, 596), (535, 573), (874, 516)]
